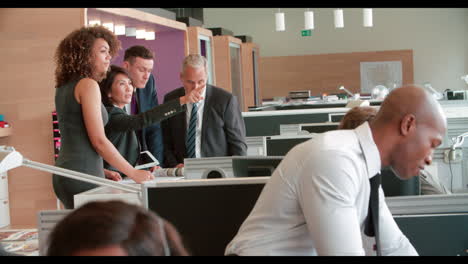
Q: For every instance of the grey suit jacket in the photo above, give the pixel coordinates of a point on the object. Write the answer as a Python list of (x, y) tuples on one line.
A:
[(223, 128)]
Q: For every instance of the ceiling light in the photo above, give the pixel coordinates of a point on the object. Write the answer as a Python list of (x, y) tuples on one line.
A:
[(94, 23), (109, 26), (308, 20), (150, 35), (367, 17), (338, 14), (140, 33), (130, 32), (119, 30), (279, 19)]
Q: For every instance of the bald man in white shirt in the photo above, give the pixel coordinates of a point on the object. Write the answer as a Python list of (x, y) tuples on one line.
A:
[(317, 200)]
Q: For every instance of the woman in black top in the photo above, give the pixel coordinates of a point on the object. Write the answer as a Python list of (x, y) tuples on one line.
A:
[(82, 60), (116, 92)]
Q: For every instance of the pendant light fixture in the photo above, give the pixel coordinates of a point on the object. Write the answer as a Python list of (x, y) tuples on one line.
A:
[(367, 17), (338, 15), (308, 19), (279, 21)]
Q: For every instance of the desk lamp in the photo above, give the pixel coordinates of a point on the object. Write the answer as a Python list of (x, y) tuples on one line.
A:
[(346, 90), (436, 94), (10, 159)]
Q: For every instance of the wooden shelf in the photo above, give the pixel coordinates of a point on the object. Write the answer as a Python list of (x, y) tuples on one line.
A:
[(5, 132)]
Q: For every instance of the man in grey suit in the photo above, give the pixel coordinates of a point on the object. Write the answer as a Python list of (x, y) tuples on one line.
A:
[(220, 128)]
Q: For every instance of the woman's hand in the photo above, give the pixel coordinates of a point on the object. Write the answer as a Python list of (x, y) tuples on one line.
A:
[(112, 175), (140, 176)]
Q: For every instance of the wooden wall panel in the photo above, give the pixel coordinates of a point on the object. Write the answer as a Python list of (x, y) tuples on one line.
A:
[(324, 73), (221, 59), (28, 38)]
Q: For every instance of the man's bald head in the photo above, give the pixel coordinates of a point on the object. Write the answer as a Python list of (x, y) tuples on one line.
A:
[(410, 99), (410, 124)]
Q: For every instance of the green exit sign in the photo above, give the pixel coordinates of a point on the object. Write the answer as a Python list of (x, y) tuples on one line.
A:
[(306, 33)]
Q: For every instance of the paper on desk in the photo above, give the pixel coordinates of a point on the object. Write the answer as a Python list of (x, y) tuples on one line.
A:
[(156, 179)]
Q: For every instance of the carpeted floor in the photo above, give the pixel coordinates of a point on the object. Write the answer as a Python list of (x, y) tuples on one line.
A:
[(20, 241)]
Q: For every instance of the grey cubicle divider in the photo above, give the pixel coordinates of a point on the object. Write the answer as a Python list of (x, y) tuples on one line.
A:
[(255, 166), (394, 186), (207, 212), (270, 125), (280, 145), (436, 235)]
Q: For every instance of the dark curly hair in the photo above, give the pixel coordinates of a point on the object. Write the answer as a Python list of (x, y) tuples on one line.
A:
[(74, 51)]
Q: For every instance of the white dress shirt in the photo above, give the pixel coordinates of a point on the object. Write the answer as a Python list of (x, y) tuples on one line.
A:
[(316, 202), (201, 105)]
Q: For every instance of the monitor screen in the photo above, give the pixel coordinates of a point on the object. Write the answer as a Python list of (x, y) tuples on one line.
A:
[(255, 166), (280, 145), (318, 128), (207, 216)]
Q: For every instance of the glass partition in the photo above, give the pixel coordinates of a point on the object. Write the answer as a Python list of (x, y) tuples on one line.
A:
[(205, 50), (236, 72), (257, 99)]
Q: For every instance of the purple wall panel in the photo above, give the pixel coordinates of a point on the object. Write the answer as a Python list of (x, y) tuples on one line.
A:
[(169, 49), (169, 54)]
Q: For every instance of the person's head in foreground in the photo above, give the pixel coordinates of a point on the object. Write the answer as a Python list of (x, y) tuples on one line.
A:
[(114, 228)]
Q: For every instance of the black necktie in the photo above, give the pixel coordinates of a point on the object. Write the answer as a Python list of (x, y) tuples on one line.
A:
[(191, 132), (372, 221)]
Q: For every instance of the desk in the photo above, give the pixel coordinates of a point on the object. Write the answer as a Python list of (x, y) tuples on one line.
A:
[(208, 213)]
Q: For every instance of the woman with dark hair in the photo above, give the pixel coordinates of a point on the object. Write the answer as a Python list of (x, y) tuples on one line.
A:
[(83, 59), (116, 92), (114, 228)]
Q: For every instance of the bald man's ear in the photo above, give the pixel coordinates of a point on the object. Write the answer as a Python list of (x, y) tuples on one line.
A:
[(408, 124)]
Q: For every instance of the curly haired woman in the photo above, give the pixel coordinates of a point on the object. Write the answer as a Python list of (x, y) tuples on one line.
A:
[(83, 59)]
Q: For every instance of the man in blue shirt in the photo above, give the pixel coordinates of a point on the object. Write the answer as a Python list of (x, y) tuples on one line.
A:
[(139, 62)]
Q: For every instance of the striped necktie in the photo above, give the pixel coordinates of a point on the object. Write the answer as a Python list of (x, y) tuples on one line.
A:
[(191, 132), (372, 221)]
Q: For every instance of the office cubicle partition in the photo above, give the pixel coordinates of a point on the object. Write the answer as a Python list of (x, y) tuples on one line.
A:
[(267, 123), (207, 213)]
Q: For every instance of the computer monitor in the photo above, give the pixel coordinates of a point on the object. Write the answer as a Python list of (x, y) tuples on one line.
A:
[(255, 166), (318, 127), (280, 145), (207, 212)]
